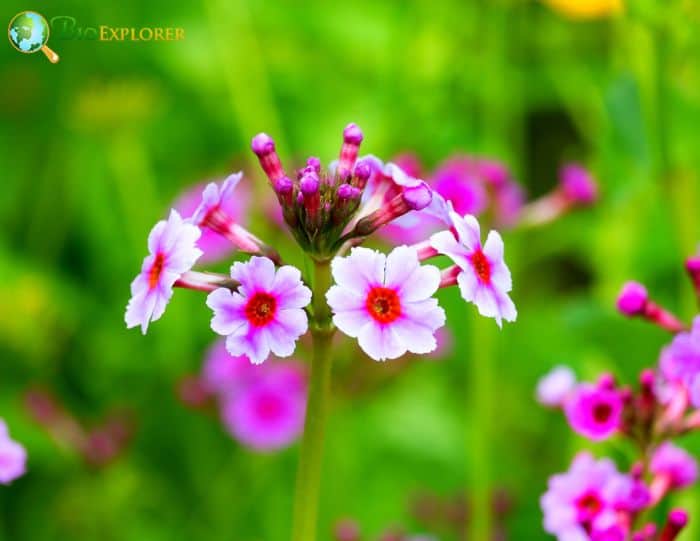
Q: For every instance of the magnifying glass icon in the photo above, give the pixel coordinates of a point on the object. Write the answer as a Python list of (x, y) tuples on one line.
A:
[(28, 32)]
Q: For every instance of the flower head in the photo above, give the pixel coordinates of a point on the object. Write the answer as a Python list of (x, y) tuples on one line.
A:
[(213, 244), (13, 457), (173, 251), (265, 314), (386, 301), (582, 503), (268, 413), (594, 411), (481, 272), (555, 387), (675, 464)]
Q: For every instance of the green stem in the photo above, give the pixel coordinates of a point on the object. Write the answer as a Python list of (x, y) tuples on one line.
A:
[(306, 496), (479, 410)]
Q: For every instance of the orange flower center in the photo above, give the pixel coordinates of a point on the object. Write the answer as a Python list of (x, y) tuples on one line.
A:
[(156, 269), (261, 309), (383, 304), (482, 266)]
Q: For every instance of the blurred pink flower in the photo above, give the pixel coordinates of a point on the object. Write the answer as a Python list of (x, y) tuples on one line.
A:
[(214, 245), (224, 373), (556, 386), (268, 413), (577, 184), (680, 361), (13, 457), (173, 251), (386, 301), (675, 465), (266, 314), (594, 411), (583, 503)]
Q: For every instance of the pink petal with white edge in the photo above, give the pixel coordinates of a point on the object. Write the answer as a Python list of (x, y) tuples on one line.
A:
[(405, 273), (287, 288), (445, 243), (258, 273), (380, 342), (468, 230), (227, 307), (360, 270)]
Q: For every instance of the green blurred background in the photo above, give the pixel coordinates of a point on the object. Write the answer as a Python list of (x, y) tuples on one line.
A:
[(95, 148)]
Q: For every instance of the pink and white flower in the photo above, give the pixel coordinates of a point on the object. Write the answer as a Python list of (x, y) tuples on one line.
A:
[(673, 468), (386, 301), (584, 502), (213, 244), (594, 411), (266, 314), (173, 251), (213, 213), (480, 272), (13, 457)]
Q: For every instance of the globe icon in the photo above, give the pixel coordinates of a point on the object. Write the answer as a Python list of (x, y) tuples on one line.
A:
[(29, 32)]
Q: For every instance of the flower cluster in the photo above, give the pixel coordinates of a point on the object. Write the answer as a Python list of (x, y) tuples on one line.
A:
[(13, 457), (385, 301), (593, 500)]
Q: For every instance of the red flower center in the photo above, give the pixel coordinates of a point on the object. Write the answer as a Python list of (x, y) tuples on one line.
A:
[(261, 309), (383, 304), (602, 412), (156, 269), (481, 265), (589, 505)]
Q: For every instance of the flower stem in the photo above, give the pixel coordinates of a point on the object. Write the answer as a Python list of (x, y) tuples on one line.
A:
[(306, 496)]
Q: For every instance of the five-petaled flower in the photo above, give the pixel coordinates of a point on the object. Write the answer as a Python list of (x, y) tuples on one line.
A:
[(265, 314), (386, 301), (173, 251), (480, 271)]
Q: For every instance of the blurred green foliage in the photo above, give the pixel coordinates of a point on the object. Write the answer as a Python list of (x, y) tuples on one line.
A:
[(94, 149)]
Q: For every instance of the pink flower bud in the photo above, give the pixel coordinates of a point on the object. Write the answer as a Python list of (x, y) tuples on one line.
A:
[(632, 299)]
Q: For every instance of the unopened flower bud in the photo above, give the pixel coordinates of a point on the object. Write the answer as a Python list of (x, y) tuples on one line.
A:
[(264, 147), (314, 163), (352, 137), (677, 520), (632, 299)]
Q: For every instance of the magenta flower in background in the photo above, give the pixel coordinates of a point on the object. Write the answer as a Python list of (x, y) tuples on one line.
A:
[(675, 465), (224, 373), (456, 180), (680, 361), (265, 314), (555, 387), (577, 184), (582, 503), (268, 413), (13, 457), (386, 301), (594, 411), (173, 251), (213, 245), (481, 273)]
